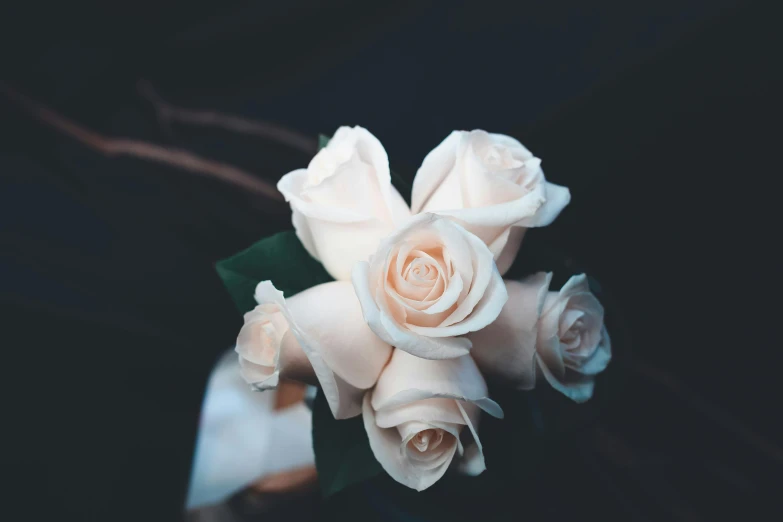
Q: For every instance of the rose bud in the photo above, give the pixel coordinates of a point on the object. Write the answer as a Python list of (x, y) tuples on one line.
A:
[(316, 334), (343, 203)]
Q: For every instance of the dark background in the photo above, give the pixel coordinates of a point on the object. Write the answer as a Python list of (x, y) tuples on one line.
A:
[(661, 117)]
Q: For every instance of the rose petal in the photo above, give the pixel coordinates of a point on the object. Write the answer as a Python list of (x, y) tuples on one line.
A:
[(331, 315), (430, 459), (449, 296), (292, 185), (557, 198), (506, 247), (361, 279), (405, 339), (293, 362), (419, 317), (369, 149), (518, 150), (426, 410), (340, 245), (481, 186), (352, 187), (575, 285), (568, 319), (473, 458), (403, 251), (433, 171), (344, 399), (413, 312), (259, 377), (601, 357), (303, 232), (408, 378), (501, 216), (484, 271), (506, 348), (488, 309), (344, 353), (579, 389), (457, 243)]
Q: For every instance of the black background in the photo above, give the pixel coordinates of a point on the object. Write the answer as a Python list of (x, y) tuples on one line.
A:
[(660, 117)]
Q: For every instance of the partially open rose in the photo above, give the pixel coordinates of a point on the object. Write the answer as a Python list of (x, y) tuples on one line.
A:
[(317, 333), (344, 203), (428, 283), (558, 336), (266, 346), (492, 185), (416, 414), (573, 344)]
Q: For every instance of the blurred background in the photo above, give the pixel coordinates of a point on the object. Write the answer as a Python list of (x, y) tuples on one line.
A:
[(139, 144)]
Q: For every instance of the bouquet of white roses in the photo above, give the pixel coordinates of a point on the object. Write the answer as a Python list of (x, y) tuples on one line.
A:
[(400, 313)]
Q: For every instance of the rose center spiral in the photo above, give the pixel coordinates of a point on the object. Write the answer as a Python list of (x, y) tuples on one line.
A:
[(499, 158), (420, 270), (427, 439)]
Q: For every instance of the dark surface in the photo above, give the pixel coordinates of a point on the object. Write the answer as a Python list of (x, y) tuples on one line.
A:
[(661, 121)]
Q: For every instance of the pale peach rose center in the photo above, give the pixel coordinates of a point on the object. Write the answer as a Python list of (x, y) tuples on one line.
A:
[(424, 275), (427, 441), (573, 336), (266, 336), (500, 161), (577, 336), (499, 158), (420, 271)]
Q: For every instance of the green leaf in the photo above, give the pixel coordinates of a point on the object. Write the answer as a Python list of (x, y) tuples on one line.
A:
[(281, 259), (402, 186), (342, 451)]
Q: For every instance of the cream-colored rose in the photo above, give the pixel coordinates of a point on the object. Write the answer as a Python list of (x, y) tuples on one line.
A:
[(317, 333), (428, 283), (560, 334), (343, 203), (493, 185), (416, 414), (266, 345), (573, 345)]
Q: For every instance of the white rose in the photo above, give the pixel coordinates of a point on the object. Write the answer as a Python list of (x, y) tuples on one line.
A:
[(493, 185), (318, 332), (562, 334), (266, 345), (344, 203), (427, 283), (416, 413), (573, 345)]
